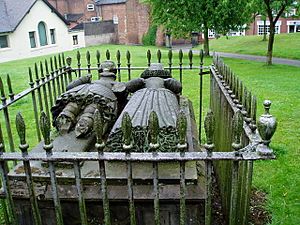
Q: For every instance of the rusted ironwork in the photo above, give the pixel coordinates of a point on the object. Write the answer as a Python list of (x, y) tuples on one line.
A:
[(209, 126), (45, 130), (8, 204), (7, 118), (154, 145), (128, 57), (230, 155), (180, 56), (201, 55), (99, 129), (21, 129), (118, 56)]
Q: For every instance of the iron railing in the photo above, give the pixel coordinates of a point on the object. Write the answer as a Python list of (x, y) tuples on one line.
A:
[(230, 148)]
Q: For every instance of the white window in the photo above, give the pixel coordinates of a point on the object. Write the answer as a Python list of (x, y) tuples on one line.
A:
[(95, 19), (211, 34), (75, 39), (293, 26), (90, 7), (261, 29), (115, 19)]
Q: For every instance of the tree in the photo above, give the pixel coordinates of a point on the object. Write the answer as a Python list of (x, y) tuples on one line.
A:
[(274, 9), (182, 17)]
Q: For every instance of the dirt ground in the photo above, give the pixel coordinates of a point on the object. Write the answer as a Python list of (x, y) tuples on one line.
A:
[(258, 215)]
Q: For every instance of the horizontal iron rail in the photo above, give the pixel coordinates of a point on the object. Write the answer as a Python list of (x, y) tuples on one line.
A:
[(143, 68), (27, 91), (134, 157)]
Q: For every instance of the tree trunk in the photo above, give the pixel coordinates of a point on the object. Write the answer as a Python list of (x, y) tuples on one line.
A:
[(271, 43), (265, 30), (206, 41), (254, 22)]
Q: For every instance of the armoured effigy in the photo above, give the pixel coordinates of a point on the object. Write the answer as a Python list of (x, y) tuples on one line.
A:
[(155, 91), (75, 108)]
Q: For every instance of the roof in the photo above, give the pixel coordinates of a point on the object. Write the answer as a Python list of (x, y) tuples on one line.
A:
[(72, 17), (12, 13), (109, 2), (77, 27)]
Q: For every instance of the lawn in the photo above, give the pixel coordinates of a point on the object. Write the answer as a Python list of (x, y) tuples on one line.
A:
[(280, 179), (285, 46)]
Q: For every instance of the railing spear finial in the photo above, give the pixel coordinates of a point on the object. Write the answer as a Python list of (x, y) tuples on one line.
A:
[(209, 127), (237, 129), (181, 129), (45, 130), (127, 132), (99, 130), (153, 131)]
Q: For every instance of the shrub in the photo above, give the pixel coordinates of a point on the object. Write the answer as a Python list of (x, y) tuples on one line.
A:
[(150, 37)]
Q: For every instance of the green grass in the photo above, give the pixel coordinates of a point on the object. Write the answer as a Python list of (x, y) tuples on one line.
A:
[(279, 178), (285, 46)]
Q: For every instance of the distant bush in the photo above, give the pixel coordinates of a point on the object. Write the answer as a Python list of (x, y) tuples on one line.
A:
[(150, 37)]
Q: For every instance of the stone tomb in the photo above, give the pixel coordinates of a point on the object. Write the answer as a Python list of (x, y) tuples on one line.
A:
[(116, 174)]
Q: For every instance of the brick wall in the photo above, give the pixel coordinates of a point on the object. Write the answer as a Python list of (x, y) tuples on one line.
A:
[(253, 27), (143, 16), (133, 17), (109, 11)]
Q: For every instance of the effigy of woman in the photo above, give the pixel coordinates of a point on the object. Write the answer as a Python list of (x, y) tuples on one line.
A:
[(155, 91)]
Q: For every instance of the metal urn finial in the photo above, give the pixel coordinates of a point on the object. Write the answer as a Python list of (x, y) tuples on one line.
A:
[(266, 126)]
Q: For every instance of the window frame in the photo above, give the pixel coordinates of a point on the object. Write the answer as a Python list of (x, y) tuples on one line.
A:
[(260, 29), (6, 40), (32, 38), (90, 7), (75, 39), (42, 32), (53, 36)]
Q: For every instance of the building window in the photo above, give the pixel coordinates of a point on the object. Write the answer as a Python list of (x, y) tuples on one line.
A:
[(294, 26), (261, 29), (115, 19), (42, 34), (90, 7), (75, 39), (52, 36), (32, 39), (3, 41), (211, 34)]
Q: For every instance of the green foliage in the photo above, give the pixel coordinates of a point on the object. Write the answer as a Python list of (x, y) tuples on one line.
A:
[(182, 17), (280, 178), (279, 83), (150, 37)]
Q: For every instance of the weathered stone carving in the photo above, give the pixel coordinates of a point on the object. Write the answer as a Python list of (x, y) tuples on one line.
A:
[(155, 92), (75, 108)]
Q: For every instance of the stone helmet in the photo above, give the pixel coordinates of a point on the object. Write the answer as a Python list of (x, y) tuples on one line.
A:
[(108, 66), (156, 70)]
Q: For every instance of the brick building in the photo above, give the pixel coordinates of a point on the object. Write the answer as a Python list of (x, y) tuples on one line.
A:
[(283, 25), (130, 17)]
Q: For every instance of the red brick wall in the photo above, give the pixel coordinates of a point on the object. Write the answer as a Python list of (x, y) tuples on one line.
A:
[(160, 36), (133, 17), (133, 20), (143, 17), (108, 11)]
